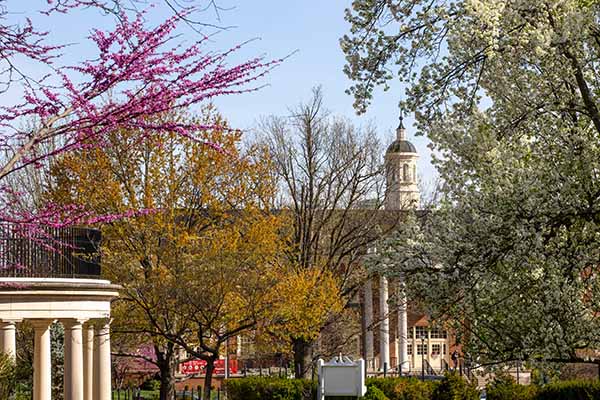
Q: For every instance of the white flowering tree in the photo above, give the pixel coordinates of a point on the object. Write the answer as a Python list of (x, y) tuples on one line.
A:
[(507, 90)]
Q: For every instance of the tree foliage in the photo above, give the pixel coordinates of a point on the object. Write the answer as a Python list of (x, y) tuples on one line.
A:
[(330, 175), (7, 376), (138, 71), (507, 91), (195, 269), (303, 300)]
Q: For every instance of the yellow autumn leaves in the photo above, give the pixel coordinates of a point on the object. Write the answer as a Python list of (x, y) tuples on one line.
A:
[(208, 257), (304, 299)]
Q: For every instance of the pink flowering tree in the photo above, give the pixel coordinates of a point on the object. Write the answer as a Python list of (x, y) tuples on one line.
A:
[(138, 72)]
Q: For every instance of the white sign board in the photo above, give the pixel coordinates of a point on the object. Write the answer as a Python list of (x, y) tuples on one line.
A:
[(341, 377)]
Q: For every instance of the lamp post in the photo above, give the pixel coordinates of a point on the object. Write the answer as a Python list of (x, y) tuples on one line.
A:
[(423, 357)]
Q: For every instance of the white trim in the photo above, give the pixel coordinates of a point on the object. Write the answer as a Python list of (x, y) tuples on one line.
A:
[(56, 280)]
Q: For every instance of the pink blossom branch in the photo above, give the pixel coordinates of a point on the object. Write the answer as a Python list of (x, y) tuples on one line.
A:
[(139, 74)]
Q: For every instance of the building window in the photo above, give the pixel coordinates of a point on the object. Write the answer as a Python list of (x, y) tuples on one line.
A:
[(414, 173), (421, 331), (435, 349), (409, 349), (438, 334), (444, 349), (421, 349), (406, 173)]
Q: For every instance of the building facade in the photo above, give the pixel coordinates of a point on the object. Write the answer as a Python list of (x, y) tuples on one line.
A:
[(396, 337)]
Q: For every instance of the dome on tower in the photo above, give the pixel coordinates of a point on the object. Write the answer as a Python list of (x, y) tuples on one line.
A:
[(401, 145)]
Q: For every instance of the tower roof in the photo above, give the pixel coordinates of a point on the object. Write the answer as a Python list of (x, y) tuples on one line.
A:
[(401, 145)]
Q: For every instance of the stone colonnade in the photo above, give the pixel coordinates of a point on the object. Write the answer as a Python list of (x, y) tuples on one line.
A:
[(87, 374), (401, 345)]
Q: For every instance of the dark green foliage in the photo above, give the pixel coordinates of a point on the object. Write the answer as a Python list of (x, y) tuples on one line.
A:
[(373, 393), (259, 388), (507, 389), (404, 388), (7, 376), (570, 390), (454, 387), (152, 385), (504, 387)]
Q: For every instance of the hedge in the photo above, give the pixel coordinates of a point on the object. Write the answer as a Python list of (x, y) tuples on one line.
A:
[(567, 390), (504, 387), (452, 387), (266, 388), (403, 388)]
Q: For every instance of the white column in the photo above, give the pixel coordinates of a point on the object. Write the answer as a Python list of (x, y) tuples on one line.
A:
[(8, 330), (384, 330), (73, 377), (227, 359), (88, 362), (429, 344), (42, 379), (402, 329), (396, 338), (238, 347), (396, 348), (413, 332), (95, 370), (102, 378), (368, 299)]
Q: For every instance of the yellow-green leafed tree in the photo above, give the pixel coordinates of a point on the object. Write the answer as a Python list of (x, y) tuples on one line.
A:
[(196, 266), (303, 300)]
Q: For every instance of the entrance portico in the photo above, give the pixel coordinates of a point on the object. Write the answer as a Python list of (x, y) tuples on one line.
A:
[(83, 307)]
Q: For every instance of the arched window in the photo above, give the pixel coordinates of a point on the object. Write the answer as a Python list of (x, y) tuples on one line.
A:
[(391, 173), (406, 173), (414, 173)]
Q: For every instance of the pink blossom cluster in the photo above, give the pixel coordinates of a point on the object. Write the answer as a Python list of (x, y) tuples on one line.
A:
[(140, 73)]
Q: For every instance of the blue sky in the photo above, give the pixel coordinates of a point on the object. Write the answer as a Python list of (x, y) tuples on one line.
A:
[(310, 29)]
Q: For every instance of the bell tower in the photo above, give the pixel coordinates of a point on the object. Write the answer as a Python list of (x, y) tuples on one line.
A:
[(402, 192)]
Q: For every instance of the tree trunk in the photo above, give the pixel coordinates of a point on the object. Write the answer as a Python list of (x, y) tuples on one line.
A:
[(166, 364), (210, 367), (167, 384), (302, 357)]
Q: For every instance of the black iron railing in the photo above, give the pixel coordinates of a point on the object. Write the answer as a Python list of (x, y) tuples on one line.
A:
[(70, 252), (428, 368), (445, 366)]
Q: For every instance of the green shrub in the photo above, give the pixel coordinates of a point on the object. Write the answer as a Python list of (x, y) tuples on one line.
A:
[(454, 387), (259, 388), (570, 390), (403, 388), (418, 390), (504, 387), (151, 385), (7, 376), (373, 393)]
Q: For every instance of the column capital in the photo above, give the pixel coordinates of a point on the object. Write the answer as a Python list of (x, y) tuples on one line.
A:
[(98, 323), (71, 323), (40, 324), (4, 323)]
